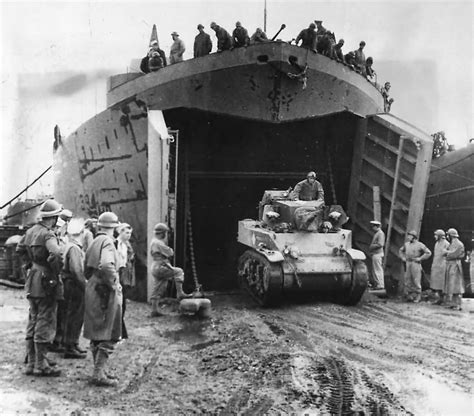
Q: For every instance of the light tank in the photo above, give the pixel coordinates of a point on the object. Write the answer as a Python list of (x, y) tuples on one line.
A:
[(299, 246)]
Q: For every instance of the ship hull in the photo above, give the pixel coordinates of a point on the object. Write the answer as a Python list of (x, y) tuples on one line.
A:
[(255, 83)]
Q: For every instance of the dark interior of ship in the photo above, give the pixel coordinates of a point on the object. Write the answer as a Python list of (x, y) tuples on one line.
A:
[(229, 163)]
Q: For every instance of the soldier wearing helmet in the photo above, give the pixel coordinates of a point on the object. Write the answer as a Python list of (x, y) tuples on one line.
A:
[(438, 267), (307, 38), (162, 270), (454, 275), (103, 297), (40, 248), (413, 252), (309, 189)]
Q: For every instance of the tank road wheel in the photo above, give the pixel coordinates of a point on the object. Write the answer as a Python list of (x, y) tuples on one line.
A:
[(358, 286), (261, 278)]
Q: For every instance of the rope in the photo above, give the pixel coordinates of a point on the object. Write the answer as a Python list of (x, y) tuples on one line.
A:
[(24, 190)]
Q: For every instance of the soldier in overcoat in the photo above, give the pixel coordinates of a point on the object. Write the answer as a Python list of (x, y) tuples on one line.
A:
[(454, 276), (438, 267), (40, 250), (103, 298)]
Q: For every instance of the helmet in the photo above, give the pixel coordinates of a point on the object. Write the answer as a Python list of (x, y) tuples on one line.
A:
[(311, 174), (161, 228), (440, 233), (453, 232), (375, 222), (50, 208), (107, 220), (413, 233), (66, 215)]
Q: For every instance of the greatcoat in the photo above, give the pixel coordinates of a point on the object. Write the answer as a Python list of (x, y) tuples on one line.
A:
[(102, 321), (438, 268)]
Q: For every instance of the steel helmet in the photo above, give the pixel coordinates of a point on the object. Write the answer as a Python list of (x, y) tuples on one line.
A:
[(440, 233), (161, 228), (66, 215), (453, 232), (50, 208), (311, 174), (413, 233), (107, 220)]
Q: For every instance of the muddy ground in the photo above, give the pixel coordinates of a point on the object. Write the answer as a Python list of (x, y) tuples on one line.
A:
[(382, 357)]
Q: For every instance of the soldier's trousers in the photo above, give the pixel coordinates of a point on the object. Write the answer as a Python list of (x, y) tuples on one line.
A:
[(377, 270), (73, 318), (413, 278), (41, 325)]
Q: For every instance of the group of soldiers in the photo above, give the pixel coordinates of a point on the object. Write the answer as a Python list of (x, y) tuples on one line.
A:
[(315, 38), (446, 277), (156, 57), (79, 275)]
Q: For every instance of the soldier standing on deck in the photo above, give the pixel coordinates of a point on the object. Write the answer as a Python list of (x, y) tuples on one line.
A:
[(40, 248), (454, 276), (177, 49), (103, 298), (438, 267), (224, 40), (308, 38), (202, 43), (240, 36), (376, 252), (74, 287), (413, 252)]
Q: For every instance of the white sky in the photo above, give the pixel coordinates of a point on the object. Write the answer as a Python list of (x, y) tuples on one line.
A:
[(424, 48)]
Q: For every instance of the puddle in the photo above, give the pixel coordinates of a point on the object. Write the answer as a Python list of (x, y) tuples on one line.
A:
[(13, 401), (437, 398)]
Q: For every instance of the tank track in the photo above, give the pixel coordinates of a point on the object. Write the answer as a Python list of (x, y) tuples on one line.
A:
[(358, 286), (261, 278)]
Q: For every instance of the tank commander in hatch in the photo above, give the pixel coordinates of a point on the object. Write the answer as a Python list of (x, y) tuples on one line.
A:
[(309, 189)]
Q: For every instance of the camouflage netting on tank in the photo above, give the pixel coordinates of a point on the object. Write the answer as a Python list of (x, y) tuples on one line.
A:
[(309, 218)]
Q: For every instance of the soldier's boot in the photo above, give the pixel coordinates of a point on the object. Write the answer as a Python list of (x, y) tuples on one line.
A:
[(448, 301), (42, 368), (457, 302), (180, 294), (30, 357), (71, 352), (99, 378), (94, 350)]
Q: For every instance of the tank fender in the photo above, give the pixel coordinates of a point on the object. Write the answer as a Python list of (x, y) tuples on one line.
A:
[(271, 255), (355, 254)]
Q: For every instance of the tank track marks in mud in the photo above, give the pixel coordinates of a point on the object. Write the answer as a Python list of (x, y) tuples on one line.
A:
[(241, 404), (359, 283), (343, 390), (261, 278)]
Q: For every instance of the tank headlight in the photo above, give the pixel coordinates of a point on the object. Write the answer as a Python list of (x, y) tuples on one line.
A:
[(295, 253), (286, 251)]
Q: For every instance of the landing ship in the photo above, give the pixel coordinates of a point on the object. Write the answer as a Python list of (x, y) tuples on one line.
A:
[(240, 122)]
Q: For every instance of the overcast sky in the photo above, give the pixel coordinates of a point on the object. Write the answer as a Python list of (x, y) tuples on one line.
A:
[(56, 56)]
